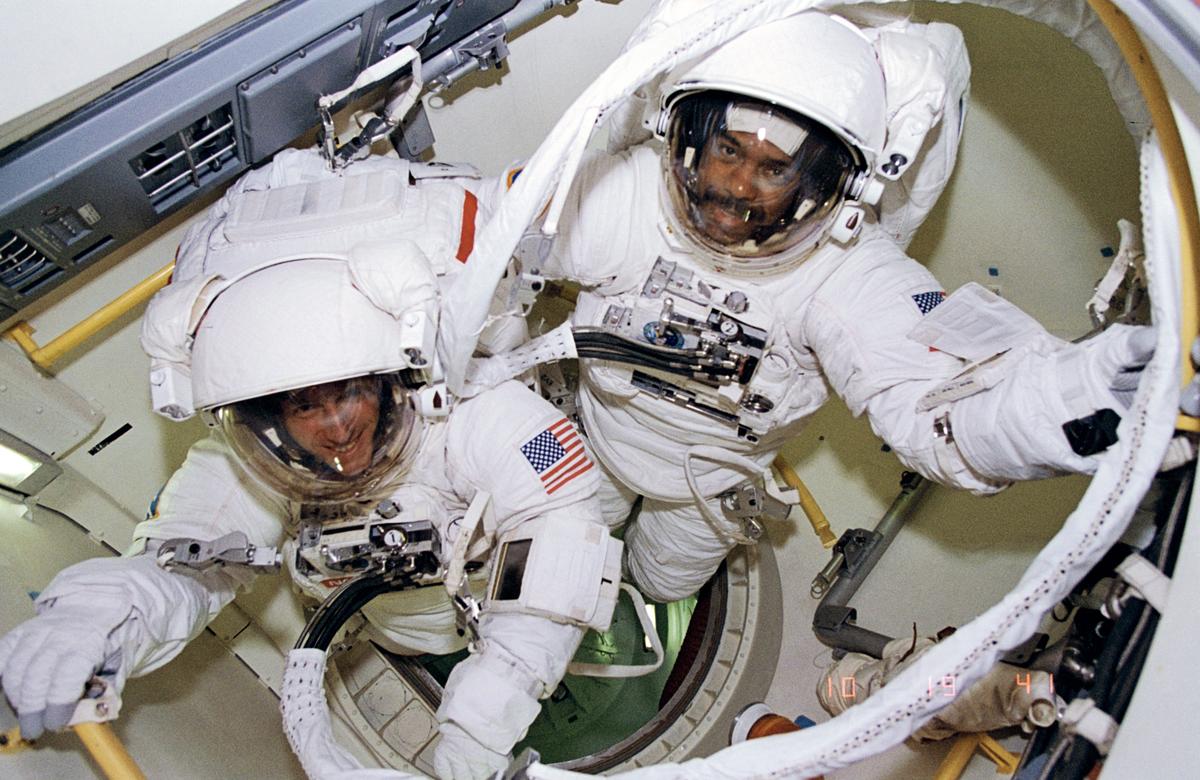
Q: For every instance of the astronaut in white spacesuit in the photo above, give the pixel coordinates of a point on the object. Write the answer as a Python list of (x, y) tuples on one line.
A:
[(312, 365), (728, 280)]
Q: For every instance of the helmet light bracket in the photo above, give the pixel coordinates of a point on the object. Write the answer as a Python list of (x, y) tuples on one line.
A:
[(848, 223), (171, 389), (906, 134), (865, 187)]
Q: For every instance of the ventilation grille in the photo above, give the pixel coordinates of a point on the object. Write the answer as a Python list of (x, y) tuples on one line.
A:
[(186, 160), (22, 266)]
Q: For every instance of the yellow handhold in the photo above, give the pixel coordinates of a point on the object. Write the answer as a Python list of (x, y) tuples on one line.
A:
[(107, 750), (45, 356), (11, 742), (964, 747), (816, 518), (1183, 194)]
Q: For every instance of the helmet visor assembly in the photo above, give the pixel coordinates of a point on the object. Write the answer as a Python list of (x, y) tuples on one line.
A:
[(329, 443), (750, 180)]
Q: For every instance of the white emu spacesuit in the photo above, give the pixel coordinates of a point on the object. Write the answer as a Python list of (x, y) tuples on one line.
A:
[(303, 329), (735, 273)]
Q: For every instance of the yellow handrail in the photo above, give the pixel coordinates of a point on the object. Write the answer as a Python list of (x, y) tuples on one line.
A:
[(963, 749), (45, 356), (1182, 192), (101, 742), (115, 762), (812, 510)]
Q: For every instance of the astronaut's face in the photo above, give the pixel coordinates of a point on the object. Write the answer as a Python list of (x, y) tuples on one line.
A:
[(335, 422), (748, 183), (744, 186)]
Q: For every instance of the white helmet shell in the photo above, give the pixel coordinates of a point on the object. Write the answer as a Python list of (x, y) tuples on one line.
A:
[(290, 325), (815, 64)]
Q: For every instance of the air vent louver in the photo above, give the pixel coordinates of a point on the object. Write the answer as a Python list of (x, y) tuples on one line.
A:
[(22, 266), (186, 160)]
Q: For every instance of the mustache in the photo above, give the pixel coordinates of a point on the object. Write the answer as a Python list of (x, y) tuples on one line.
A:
[(713, 197)]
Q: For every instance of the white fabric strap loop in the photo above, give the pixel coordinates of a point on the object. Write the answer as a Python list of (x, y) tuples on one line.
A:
[(485, 373), (1146, 580), (461, 552), (377, 72), (626, 670), (394, 112), (1087, 720)]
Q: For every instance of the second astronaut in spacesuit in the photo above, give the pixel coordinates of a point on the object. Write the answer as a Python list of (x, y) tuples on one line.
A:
[(731, 276)]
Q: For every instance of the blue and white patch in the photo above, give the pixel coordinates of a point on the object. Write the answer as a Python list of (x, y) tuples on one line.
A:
[(928, 301)]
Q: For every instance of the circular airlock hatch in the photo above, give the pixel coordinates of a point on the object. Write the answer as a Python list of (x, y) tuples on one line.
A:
[(721, 648)]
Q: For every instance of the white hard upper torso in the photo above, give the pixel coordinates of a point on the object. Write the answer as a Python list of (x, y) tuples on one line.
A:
[(840, 317)]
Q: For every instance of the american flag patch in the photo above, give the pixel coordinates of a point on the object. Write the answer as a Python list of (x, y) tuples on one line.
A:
[(557, 455), (928, 301)]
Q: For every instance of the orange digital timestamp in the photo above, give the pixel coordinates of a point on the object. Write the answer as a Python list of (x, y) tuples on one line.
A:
[(850, 694), (1027, 682), (947, 685)]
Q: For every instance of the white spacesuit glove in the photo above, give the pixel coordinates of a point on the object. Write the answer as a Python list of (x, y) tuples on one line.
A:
[(1056, 409), (459, 756), (118, 617), (47, 661), (1118, 356)]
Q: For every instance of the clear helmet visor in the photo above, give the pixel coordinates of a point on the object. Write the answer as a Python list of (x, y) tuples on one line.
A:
[(330, 443), (753, 184)]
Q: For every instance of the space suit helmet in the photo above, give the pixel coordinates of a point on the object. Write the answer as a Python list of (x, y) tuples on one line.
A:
[(303, 367), (767, 140)]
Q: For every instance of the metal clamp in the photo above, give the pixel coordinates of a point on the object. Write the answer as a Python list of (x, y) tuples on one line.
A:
[(232, 548), (466, 615), (750, 502), (100, 703), (524, 291), (487, 49)]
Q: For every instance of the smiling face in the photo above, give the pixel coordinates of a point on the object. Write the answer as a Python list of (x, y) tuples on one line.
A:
[(335, 422), (745, 185), (348, 440), (751, 185)]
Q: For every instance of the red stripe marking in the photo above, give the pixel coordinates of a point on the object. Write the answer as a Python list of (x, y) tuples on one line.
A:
[(563, 432), (466, 238), (568, 461), (551, 488)]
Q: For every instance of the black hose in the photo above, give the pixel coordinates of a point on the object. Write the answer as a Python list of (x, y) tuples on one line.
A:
[(598, 338), (333, 613), (690, 371), (1126, 648), (606, 346)]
